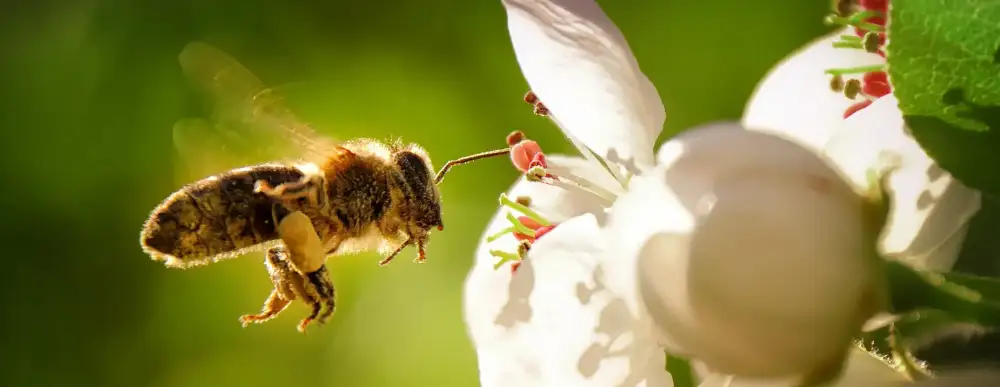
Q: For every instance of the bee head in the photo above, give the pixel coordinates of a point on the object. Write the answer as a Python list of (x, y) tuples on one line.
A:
[(418, 175)]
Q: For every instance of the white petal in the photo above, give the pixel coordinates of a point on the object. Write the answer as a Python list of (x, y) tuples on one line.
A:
[(929, 209), (562, 322), (580, 66), (533, 328), (751, 257), (795, 99)]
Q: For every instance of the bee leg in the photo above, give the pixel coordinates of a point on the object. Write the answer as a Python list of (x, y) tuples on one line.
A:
[(309, 187), (421, 253), (282, 276), (323, 286), (394, 253)]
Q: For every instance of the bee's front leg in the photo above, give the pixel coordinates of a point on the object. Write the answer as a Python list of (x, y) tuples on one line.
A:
[(309, 187)]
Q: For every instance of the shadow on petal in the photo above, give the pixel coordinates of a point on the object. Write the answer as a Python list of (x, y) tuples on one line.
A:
[(517, 309)]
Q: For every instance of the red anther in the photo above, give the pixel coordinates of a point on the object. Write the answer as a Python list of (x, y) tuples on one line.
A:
[(515, 137), (857, 107), (523, 153), (874, 5), (540, 109), (530, 98)]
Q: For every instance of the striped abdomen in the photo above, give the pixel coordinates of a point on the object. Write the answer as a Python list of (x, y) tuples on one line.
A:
[(216, 217)]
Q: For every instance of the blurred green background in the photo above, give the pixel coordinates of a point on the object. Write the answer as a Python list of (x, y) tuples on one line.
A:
[(91, 88)]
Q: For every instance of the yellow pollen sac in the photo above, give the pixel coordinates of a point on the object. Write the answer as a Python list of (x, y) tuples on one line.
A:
[(304, 246)]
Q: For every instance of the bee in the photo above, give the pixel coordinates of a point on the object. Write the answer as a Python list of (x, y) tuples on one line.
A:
[(337, 198)]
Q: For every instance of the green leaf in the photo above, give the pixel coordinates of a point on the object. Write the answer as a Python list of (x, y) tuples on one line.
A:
[(680, 371), (944, 66), (965, 298), (988, 288)]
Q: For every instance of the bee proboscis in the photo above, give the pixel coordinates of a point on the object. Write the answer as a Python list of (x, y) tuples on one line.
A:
[(345, 197)]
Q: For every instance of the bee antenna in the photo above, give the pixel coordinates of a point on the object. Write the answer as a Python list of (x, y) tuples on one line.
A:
[(468, 159)]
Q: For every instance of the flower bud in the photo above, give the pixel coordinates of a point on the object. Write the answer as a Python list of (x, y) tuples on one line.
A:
[(754, 256)]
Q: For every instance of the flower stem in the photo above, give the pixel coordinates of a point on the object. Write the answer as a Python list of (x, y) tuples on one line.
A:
[(505, 201), (901, 354)]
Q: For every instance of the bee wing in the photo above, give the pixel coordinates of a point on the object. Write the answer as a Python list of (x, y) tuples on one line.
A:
[(204, 151), (250, 122)]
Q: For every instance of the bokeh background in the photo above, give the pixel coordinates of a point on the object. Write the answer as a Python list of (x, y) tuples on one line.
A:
[(89, 91)]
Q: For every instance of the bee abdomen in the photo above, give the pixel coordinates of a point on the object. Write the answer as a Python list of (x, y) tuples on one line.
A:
[(215, 218)]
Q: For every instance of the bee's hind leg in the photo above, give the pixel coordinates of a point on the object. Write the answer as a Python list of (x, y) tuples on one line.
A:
[(282, 276), (323, 286), (315, 289), (305, 257)]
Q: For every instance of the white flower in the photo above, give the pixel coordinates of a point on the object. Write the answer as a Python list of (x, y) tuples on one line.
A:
[(737, 248), (929, 209), (570, 318)]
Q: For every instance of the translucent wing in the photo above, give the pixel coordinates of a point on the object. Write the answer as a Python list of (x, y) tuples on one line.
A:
[(249, 122)]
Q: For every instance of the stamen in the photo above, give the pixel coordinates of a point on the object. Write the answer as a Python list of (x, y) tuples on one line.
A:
[(837, 83), (523, 200), (843, 7), (530, 97), (515, 137), (504, 258), (540, 109), (872, 42), (499, 234), (518, 226), (532, 214), (857, 20), (852, 88), (848, 44), (856, 70), (523, 247), (586, 185), (850, 38)]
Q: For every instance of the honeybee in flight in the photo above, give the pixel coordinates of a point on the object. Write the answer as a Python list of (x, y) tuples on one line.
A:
[(337, 198)]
